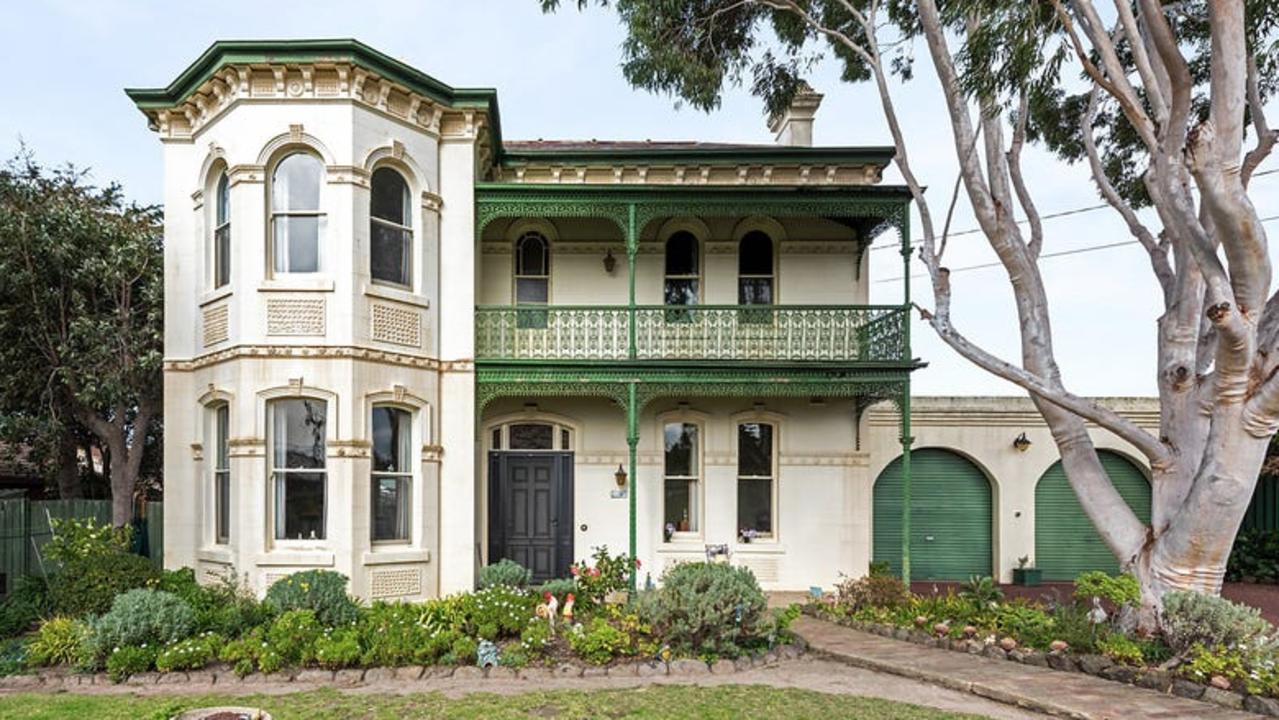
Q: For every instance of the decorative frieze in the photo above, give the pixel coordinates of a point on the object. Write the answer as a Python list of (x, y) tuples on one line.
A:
[(395, 582), (295, 316), (396, 325), (216, 324), (295, 352)]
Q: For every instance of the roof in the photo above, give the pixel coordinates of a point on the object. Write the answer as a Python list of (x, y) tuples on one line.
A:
[(523, 152)]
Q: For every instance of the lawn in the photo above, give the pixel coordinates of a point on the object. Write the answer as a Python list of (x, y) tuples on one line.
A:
[(652, 702)]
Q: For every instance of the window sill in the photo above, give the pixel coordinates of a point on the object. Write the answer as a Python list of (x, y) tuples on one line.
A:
[(213, 296), (759, 547), (682, 547), (396, 555), (287, 556), (297, 284), (390, 292), (217, 554)]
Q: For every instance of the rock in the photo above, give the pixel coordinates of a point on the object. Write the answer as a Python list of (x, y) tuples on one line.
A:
[(202, 677), (1261, 705), (650, 669), (350, 676), (1008, 644), (970, 631), (284, 676), (994, 652), (723, 667), (471, 672), (792, 651), (1062, 662), (437, 671), (1224, 698), (102, 679), (686, 666), (740, 664), (1119, 673), (1034, 657), (20, 681), (771, 658), (172, 678), (920, 621), (379, 674), (253, 679), (901, 634), (594, 671), (1187, 689), (941, 629), (1159, 680), (315, 675), (1219, 681), (974, 647), (142, 678), (409, 672), (1017, 655), (501, 672), (1058, 646), (920, 638), (1093, 664)]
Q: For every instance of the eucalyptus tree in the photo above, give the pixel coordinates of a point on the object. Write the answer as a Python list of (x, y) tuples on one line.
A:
[(81, 326), (1165, 103)]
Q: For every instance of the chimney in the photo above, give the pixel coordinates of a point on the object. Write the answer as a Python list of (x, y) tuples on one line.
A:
[(794, 127)]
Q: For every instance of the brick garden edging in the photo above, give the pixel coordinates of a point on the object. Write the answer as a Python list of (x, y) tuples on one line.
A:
[(1096, 665), (222, 675)]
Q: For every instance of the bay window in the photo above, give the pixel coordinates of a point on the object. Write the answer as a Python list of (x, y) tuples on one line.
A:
[(297, 223), (297, 466), (390, 228), (392, 473)]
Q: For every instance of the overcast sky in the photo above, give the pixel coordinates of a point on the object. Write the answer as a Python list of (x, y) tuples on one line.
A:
[(558, 77)]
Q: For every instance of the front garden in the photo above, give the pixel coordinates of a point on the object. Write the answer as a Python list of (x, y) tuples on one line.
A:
[(1209, 648), (103, 610)]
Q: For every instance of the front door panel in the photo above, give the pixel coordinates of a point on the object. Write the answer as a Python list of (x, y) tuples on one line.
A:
[(531, 511)]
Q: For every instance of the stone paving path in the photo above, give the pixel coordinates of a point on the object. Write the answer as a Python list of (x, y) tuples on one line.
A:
[(1066, 694)]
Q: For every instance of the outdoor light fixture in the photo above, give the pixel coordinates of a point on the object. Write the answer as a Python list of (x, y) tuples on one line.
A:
[(1022, 443), (610, 262), (620, 476)]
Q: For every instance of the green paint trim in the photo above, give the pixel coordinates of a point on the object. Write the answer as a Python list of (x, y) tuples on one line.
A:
[(497, 192), (632, 446), (879, 156), (337, 50)]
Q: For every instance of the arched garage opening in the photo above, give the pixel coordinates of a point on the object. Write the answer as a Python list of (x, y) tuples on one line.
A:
[(1066, 543), (951, 517)]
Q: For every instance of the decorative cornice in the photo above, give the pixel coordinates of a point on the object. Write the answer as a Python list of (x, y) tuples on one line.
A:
[(344, 352), (774, 171)]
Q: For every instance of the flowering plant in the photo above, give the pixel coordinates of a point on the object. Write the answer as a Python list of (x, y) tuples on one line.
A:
[(609, 573)]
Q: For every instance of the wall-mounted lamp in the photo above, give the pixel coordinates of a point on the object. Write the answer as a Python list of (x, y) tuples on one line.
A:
[(1022, 443), (610, 262), (620, 476)]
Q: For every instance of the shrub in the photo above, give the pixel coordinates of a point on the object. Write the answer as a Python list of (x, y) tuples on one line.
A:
[(243, 654), (88, 585), (190, 654), (140, 618), (514, 658), (462, 652), (226, 607), (879, 568), (75, 539), (1254, 557), (607, 574), (292, 637), (599, 642), (129, 660), (536, 637), (27, 603), (339, 648), (1122, 649), (323, 591), (1191, 618), (705, 609), (13, 656), (505, 572), (1118, 590), (489, 614), (1027, 623), (871, 591), (60, 641), (559, 587), (982, 592)]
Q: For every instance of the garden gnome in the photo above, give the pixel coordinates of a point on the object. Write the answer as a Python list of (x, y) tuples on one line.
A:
[(568, 609), (548, 609), (1097, 615)]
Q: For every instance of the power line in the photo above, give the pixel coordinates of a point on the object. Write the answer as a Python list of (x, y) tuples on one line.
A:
[(1059, 253), (1049, 216)]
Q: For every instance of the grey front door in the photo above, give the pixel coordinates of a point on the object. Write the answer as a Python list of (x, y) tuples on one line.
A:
[(531, 511)]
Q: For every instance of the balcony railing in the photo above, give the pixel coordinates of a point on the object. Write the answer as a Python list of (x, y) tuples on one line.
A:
[(790, 333)]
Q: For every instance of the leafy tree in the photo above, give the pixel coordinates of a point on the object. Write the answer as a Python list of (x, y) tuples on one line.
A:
[(81, 296), (1162, 100)]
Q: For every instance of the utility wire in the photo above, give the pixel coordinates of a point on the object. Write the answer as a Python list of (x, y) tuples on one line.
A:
[(1059, 253)]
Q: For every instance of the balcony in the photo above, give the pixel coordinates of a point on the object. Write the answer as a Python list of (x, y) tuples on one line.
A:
[(754, 333)]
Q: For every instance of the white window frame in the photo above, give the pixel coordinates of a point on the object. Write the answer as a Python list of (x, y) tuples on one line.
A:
[(771, 276), (560, 433), (408, 229), (273, 213), (698, 478), (220, 471), (276, 475), (775, 452), (517, 276), (407, 476), (700, 245), (221, 209)]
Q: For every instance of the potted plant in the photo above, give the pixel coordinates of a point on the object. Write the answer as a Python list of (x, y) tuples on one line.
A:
[(1025, 574)]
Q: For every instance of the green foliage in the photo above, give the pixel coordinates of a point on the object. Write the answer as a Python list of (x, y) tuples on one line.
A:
[(1192, 618), (226, 607), (1254, 557), (515, 658), (142, 618), (395, 634), (13, 656), (85, 539), (709, 609), (323, 591), (190, 654), (292, 637), (605, 574), (462, 652), (490, 614), (1122, 649), (338, 648), (536, 638), (129, 660), (883, 591), (59, 641), (27, 603), (505, 572), (599, 641), (559, 587), (1118, 590), (982, 592), (85, 586), (81, 311), (1026, 622), (880, 568)]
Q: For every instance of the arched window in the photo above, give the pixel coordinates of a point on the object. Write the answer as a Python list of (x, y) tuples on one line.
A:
[(682, 269), (297, 222), (222, 233), (532, 269), (755, 269), (390, 228)]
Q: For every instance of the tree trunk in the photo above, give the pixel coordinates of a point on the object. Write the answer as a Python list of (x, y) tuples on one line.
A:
[(68, 474)]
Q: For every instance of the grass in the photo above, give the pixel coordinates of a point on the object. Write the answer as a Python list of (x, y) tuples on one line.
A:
[(722, 702)]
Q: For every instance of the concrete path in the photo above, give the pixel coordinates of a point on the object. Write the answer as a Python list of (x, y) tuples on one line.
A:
[(1066, 694)]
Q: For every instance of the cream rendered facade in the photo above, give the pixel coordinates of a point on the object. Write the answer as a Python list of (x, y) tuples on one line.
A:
[(347, 343)]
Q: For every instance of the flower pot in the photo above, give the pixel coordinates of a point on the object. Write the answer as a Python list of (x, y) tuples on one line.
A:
[(1028, 577)]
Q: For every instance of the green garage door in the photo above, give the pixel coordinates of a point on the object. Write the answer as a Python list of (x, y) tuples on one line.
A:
[(1066, 543), (950, 517)]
